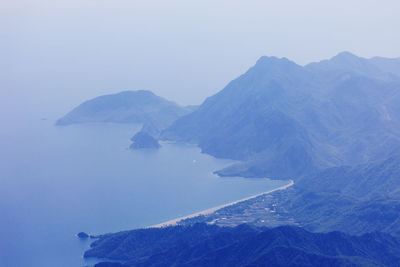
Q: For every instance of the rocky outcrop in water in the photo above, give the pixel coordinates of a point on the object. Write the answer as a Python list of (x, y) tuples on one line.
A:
[(143, 140)]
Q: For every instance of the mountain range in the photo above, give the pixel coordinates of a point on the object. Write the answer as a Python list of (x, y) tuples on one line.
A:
[(283, 120), (332, 126), (280, 119)]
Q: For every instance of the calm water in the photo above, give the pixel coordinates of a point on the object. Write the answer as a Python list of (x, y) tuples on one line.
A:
[(58, 181)]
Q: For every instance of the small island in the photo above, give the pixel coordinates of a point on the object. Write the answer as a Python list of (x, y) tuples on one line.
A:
[(143, 140), (83, 235)]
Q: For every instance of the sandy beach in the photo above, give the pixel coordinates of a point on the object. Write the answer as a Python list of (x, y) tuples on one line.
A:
[(209, 211)]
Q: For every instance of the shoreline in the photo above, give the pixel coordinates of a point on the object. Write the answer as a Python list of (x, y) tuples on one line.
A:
[(174, 222)]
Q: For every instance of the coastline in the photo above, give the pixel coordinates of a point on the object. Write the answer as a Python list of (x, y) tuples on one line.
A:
[(212, 210)]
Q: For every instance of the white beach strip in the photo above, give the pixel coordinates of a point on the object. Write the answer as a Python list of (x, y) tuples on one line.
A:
[(209, 211)]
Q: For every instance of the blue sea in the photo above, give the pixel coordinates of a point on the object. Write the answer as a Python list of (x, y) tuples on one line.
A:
[(58, 181)]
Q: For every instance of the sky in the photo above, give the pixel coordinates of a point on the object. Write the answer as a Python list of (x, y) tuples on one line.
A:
[(56, 54)]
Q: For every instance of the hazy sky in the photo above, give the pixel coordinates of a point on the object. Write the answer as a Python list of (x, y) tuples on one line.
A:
[(56, 54)]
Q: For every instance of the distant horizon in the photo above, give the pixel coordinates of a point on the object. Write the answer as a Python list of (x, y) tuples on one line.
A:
[(268, 56), (58, 54), (71, 104)]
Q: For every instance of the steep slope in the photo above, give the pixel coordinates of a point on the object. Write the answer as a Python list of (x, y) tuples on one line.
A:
[(355, 200), (257, 91), (126, 107), (253, 114), (366, 181), (205, 245), (284, 120)]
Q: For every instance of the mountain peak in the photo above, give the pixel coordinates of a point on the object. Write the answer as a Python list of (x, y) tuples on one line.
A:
[(136, 92), (275, 66), (271, 60), (278, 69), (346, 58), (345, 54)]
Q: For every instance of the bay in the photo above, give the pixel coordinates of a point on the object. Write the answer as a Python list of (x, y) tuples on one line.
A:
[(58, 181)]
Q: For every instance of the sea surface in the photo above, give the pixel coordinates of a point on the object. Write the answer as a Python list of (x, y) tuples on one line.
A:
[(58, 181)]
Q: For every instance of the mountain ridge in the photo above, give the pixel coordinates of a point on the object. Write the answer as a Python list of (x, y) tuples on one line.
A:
[(245, 245), (324, 111)]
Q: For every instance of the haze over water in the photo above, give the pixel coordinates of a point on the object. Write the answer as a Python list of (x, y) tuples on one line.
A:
[(58, 181)]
